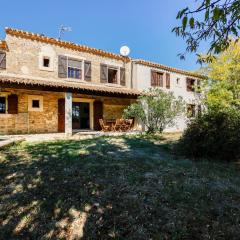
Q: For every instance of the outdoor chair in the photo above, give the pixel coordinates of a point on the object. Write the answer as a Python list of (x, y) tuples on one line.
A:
[(128, 124), (119, 125), (105, 128)]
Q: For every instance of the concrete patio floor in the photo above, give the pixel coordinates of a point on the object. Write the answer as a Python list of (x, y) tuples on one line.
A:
[(58, 136)]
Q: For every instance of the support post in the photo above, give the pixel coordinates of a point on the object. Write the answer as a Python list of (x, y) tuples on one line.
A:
[(68, 113)]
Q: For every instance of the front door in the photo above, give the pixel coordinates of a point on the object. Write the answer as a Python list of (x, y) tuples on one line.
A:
[(80, 115)]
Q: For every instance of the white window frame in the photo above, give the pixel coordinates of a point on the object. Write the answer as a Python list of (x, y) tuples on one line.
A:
[(30, 100), (78, 58)]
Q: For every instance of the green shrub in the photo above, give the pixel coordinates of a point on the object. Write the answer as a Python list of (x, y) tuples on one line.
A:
[(215, 134)]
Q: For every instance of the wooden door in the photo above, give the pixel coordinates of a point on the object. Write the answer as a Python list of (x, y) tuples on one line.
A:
[(61, 115), (98, 114)]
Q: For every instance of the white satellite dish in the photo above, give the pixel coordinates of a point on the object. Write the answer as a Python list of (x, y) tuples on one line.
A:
[(124, 51)]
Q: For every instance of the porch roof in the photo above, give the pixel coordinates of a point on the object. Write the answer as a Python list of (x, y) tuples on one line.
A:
[(68, 86)]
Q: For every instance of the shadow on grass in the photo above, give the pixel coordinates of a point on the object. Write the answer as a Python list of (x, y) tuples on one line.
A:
[(71, 189), (107, 188)]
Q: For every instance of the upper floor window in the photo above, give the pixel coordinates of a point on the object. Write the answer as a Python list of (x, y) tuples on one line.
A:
[(110, 74), (190, 84), (74, 68), (156, 79), (2, 60), (178, 81), (46, 62)]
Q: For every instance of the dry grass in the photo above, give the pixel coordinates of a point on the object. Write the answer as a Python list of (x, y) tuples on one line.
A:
[(115, 188)]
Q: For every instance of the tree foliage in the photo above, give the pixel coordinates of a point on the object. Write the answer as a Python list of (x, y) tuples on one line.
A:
[(156, 109), (224, 74), (213, 20)]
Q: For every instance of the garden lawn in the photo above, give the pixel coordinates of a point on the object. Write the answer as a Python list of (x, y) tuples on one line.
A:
[(115, 188)]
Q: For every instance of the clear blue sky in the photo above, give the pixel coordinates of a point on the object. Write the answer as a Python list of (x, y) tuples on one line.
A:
[(144, 25)]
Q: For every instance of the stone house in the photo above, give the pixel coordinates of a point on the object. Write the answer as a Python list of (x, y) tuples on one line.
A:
[(49, 85)]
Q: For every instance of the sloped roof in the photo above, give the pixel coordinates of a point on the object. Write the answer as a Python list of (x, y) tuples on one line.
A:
[(82, 48), (170, 69), (94, 88), (70, 45)]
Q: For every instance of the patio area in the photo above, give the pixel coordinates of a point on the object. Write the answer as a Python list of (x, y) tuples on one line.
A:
[(77, 135)]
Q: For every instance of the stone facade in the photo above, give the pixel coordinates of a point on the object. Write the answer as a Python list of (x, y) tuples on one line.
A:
[(24, 57), (26, 121), (46, 121)]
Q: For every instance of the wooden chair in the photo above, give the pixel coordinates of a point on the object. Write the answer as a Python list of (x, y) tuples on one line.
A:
[(118, 125), (128, 124), (105, 128)]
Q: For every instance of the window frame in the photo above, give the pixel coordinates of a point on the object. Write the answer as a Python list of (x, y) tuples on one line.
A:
[(31, 98), (41, 66), (161, 80), (113, 68), (81, 70), (192, 89), (6, 104)]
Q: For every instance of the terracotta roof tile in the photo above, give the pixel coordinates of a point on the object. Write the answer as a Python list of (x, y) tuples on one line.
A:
[(170, 69), (70, 85), (3, 45), (70, 45)]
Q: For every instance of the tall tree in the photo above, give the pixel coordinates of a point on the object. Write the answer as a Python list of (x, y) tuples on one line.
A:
[(214, 20), (224, 75)]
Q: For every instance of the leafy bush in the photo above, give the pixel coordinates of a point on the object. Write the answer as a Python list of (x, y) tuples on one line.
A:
[(156, 109), (216, 134)]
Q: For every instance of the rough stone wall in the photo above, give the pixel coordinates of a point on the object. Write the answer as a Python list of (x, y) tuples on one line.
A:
[(23, 59), (26, 121)]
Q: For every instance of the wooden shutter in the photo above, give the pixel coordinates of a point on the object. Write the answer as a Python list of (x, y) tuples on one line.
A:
[(62, 66), (2, 60), (87, 71), (61, 115), (168, 80), (98, 114), (153, 76), (13, 104), (160, 79), (103, 73), (122, 77)]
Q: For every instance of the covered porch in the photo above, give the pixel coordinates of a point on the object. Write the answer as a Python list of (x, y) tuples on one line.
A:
[(65, 107)]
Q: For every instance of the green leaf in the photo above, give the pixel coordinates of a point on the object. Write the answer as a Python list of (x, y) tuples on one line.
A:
[(184, 22), (216, 13), (191, 22)]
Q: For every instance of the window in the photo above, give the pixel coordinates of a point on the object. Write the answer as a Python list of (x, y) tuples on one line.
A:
[(74, 68), (108, 74), (178, 81), (35, 103), (190, 85), (156, 79), (2, 105), (112, 75), (46, 62), (191, 110)]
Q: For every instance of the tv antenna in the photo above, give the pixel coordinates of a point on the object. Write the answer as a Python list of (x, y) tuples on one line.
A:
[(62, 30)]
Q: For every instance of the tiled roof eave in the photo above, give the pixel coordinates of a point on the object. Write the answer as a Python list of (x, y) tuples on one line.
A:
[(170, 69), (65, 44), (68, 85)]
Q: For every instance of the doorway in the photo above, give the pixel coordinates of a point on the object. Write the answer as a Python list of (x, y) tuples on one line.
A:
[(80, 115)]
